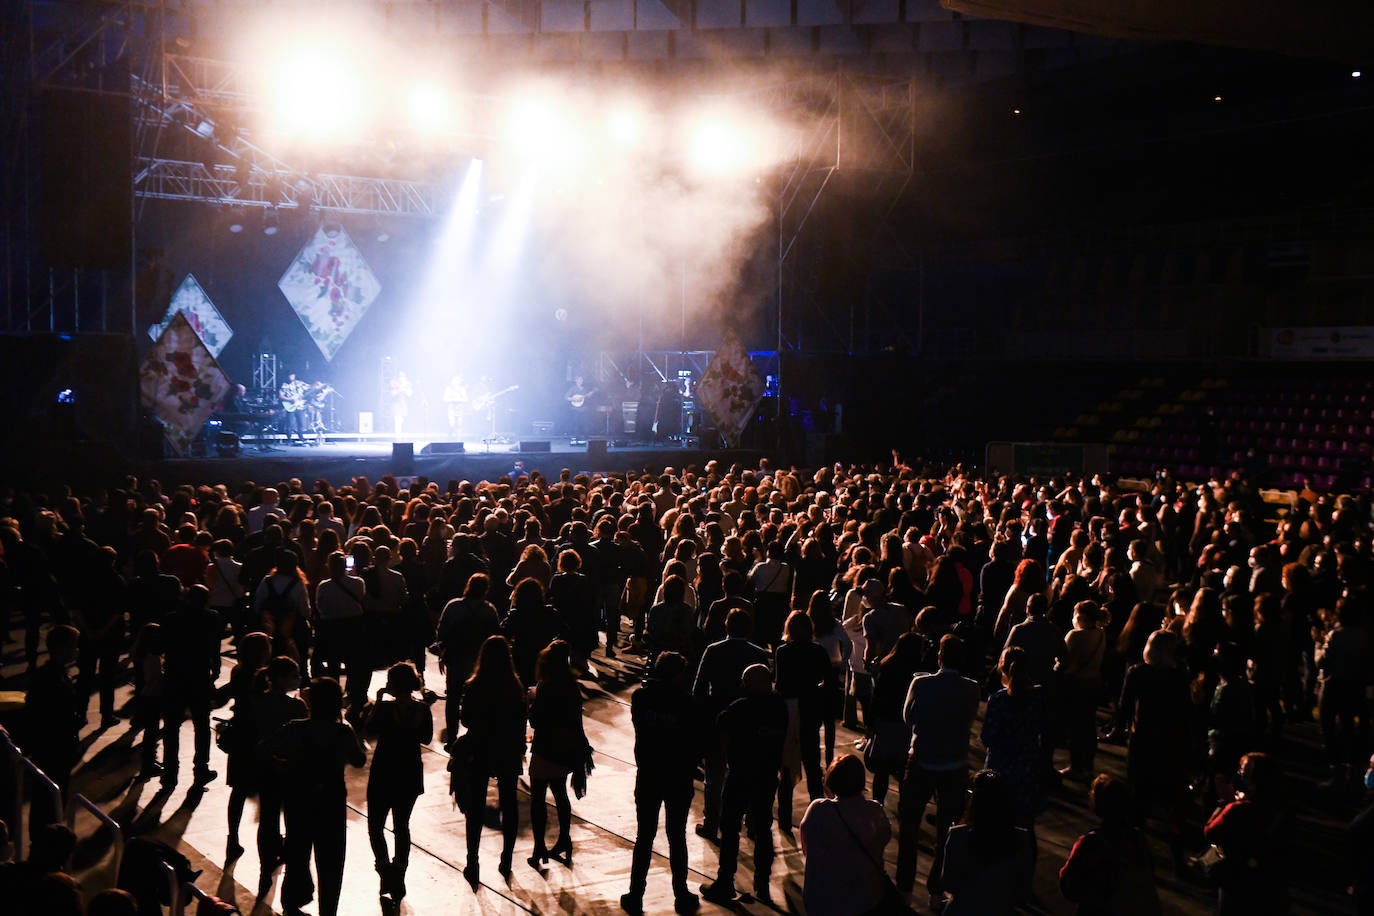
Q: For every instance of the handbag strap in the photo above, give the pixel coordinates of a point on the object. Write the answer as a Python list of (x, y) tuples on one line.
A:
[(876, 863)]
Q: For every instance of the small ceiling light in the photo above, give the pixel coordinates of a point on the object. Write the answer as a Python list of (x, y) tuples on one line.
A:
[(269, 221), (1354, 74), (383, 236), (237, 225), (1016, 111), (1216, 98)]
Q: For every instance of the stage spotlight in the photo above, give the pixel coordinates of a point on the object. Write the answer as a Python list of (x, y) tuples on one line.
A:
[(540, 130), (533, 123), (627, 129), (430, 108), (320, 92), (269, 221), (205, 128), (236, 223), (721, 145)]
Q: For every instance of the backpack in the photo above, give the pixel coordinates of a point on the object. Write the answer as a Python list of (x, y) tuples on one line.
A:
[(279, 604)]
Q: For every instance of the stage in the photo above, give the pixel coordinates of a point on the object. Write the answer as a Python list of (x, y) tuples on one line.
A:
[(341, 457)]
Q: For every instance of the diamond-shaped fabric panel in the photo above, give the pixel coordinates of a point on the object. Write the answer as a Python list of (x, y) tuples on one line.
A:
[(330, 286), (181, 383), (191, 300), (730, 389)]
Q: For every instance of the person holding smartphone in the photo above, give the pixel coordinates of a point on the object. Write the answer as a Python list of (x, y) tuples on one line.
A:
[(341, 647), (402, 723)]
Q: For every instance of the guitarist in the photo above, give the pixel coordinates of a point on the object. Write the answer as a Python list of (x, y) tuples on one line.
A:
[(292, 396), (579, 398)]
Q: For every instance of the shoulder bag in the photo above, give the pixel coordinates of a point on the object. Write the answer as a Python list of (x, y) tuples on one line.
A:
[(892, 902)]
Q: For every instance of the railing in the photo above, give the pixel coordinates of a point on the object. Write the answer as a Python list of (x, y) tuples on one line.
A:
[(44, 782), (189, 894), (116, 832), (173, 888), (14, 764)]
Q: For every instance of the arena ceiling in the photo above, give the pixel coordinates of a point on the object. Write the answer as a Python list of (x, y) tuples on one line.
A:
[(953, 41)]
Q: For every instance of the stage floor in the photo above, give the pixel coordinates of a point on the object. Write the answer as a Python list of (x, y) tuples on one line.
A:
[(341, 457)]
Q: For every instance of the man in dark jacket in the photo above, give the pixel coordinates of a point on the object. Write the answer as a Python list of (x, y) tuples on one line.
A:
[(100, 614), (752, 729), (717, 685), (665, 756), (192, 636), (940, 709)]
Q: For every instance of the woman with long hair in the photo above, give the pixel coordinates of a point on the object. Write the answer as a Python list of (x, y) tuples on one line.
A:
[(838, 646), (889, 739), (402, 724), (530, 626), (557, 750), (802, 667), (710, 582), (282, 606), (1029, 580), (533, 564), (493, 712), (1014, 735), (989, 858), (246, 681)]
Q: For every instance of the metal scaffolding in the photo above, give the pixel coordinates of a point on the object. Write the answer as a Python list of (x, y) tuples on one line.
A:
[(256, 178)]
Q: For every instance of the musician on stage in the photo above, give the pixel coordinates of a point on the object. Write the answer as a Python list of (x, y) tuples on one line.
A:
[(401, 392), (233, 414), (455, 403), (579, 398), (233, 401), (293, 395)]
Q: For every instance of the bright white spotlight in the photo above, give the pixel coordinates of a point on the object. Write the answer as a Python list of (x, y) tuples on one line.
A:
[(320, 92), (539, 129), (626, 127), (532, 126), (721, 145), (430, 108)]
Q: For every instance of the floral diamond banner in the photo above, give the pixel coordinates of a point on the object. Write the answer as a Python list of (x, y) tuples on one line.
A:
[(330, 286), (181, 383), (730, 389), (190, 300)]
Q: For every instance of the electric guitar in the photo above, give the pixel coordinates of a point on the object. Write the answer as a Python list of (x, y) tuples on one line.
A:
[(483, 401), (293, 396)]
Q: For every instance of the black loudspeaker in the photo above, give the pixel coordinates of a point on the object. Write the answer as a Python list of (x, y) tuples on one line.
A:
[(86, 203), (596, 449), (443, 448), (537, 445), (403, 457)]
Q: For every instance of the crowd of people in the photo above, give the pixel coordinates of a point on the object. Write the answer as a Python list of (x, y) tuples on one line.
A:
[(939, 614)]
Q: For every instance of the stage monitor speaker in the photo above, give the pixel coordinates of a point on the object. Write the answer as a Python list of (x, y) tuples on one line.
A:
[(403, 457), (596, 449), (535, 445), (443, 448)]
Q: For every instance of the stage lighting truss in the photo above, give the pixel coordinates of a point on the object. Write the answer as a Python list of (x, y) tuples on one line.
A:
[(254, 177)]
